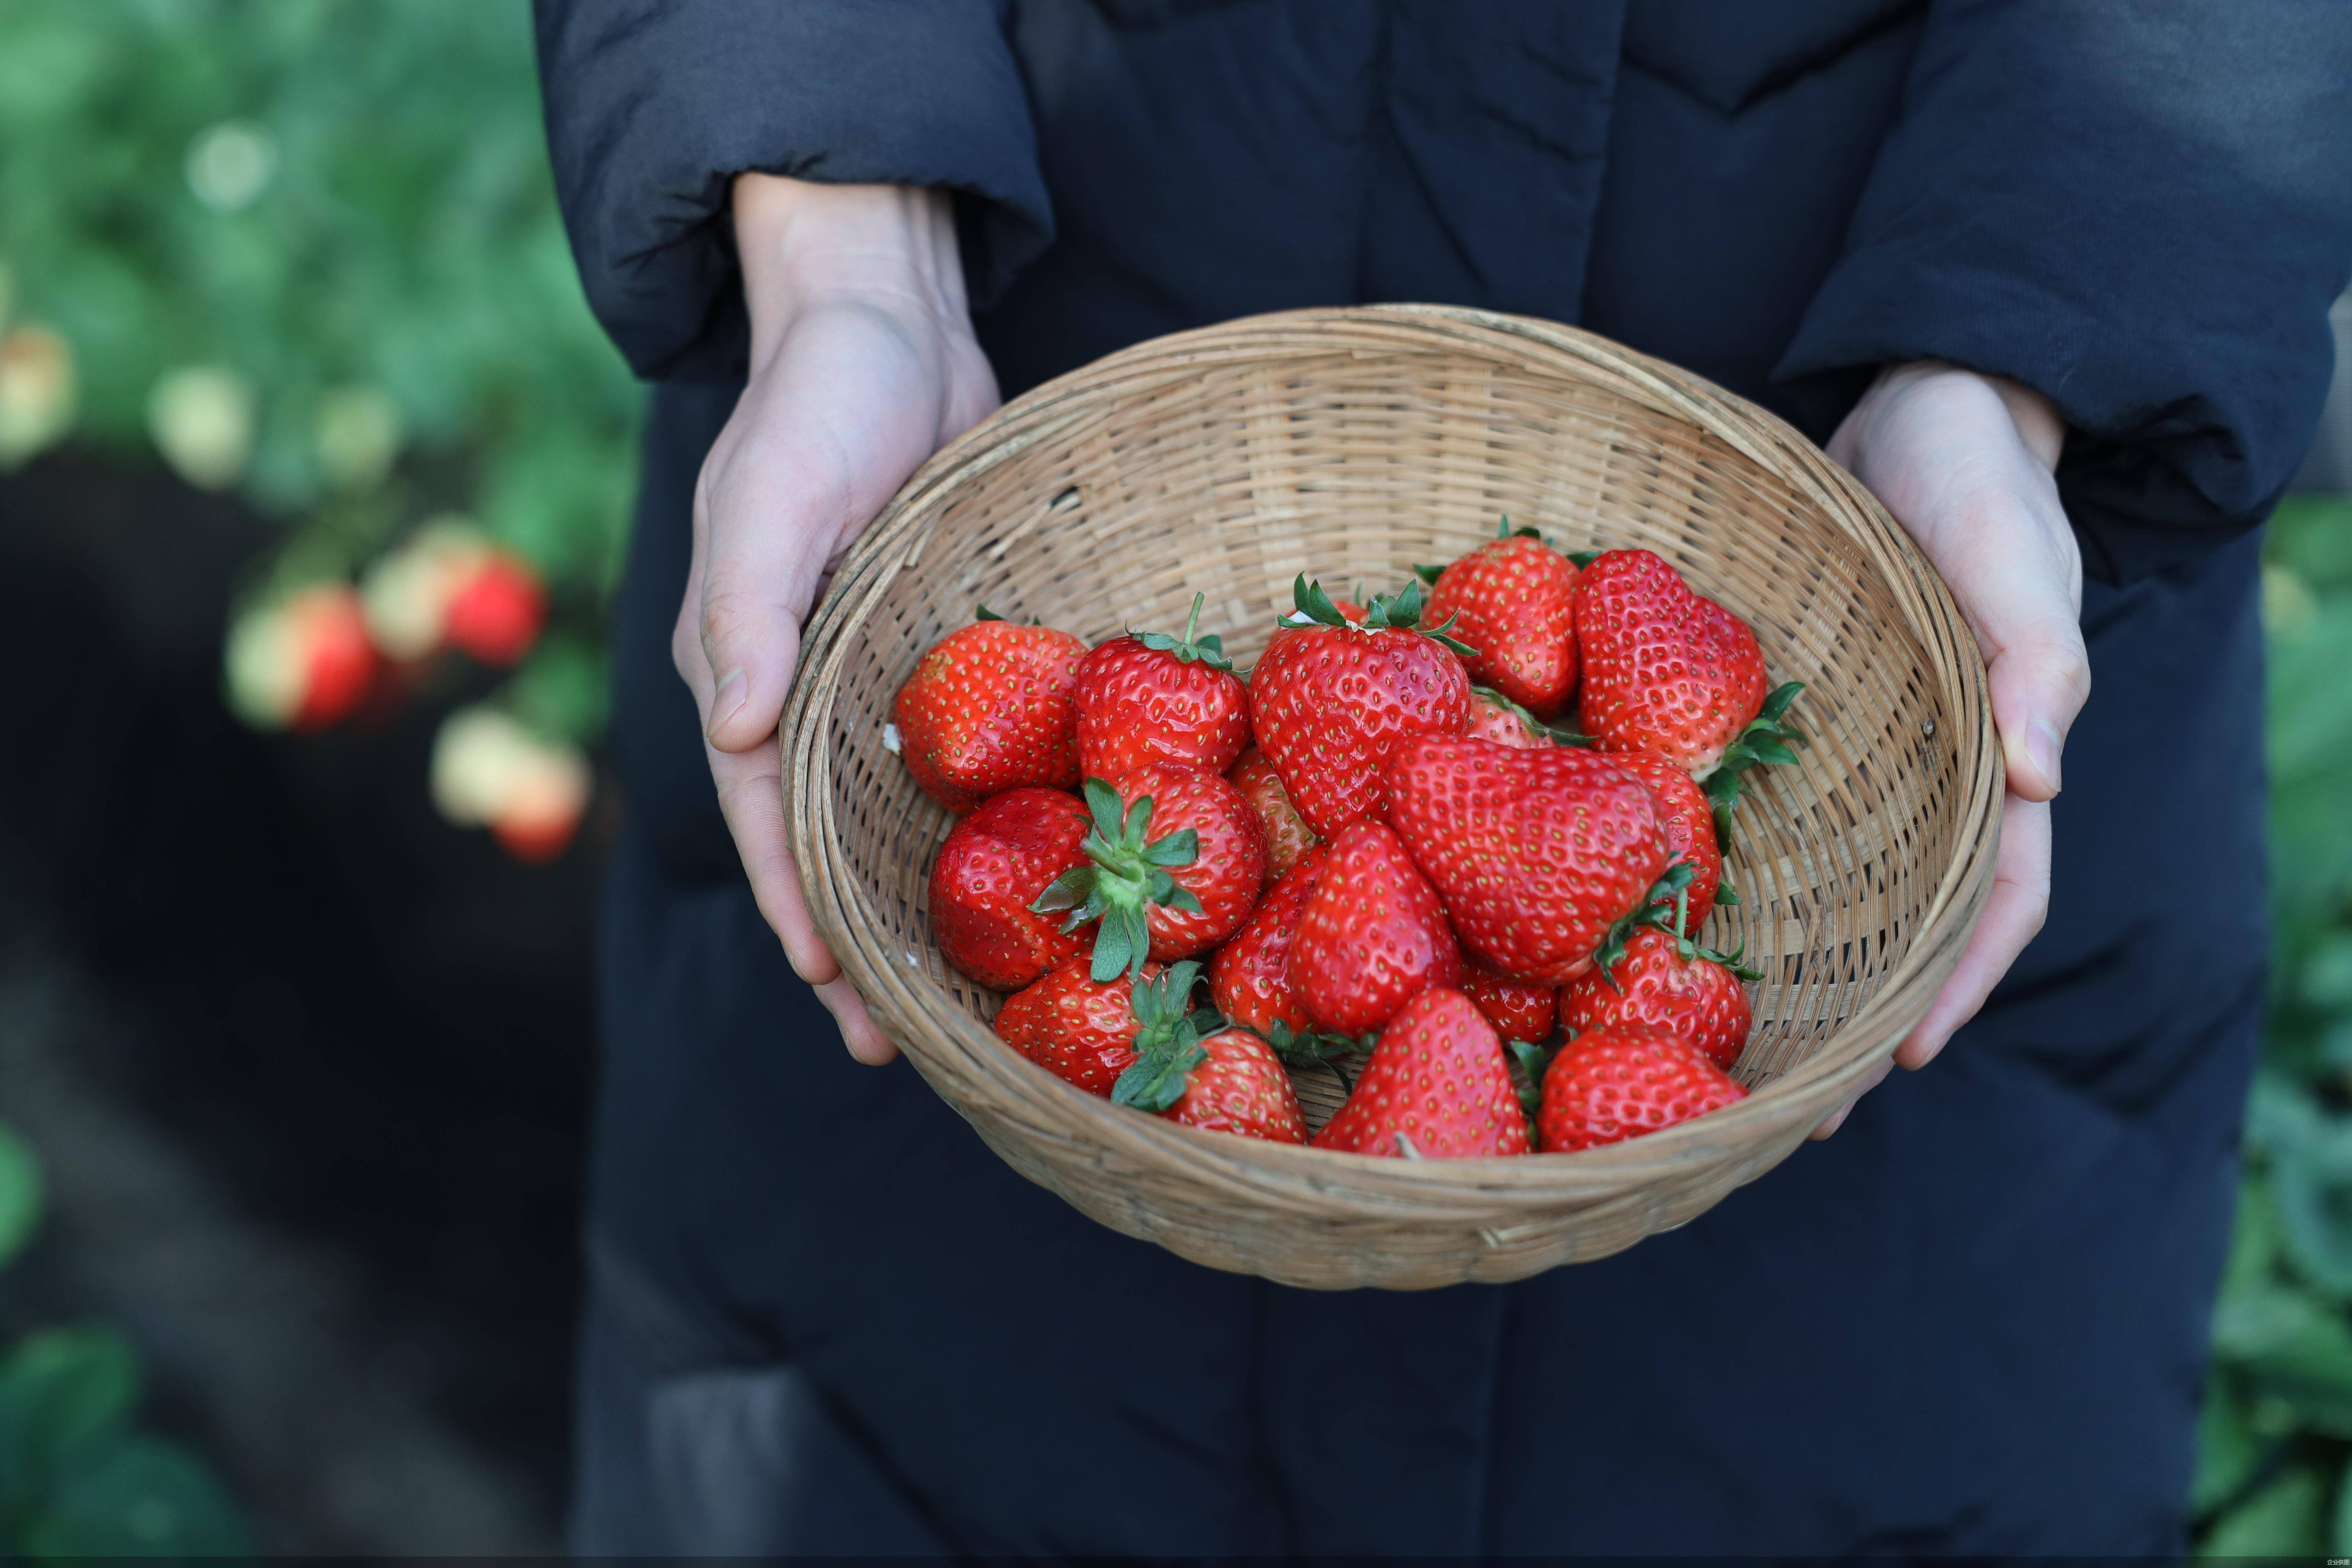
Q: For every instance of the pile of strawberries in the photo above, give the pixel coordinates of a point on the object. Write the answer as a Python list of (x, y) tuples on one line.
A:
[(1381, 853)]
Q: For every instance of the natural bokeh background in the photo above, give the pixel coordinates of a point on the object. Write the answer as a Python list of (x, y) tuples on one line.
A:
[(313, 475)]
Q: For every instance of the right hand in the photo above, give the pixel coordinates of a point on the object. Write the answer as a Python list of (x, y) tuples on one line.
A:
[(863, 364)]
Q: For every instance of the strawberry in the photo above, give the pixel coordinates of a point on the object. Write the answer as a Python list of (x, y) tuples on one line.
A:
[(1656, 974), (1538, 853), (1227, 1082), (304, 662), (1690, 826), (1437, 1088), (1080, 1028), (497, 613), (1169, 897), (994, 863), (1512, 600), (1249, 978), (1518, 1011), (1158, 699), (1371, 936), (1670, 672), (1622, 1081), (1287, 836), (1330, 702), (1495, 717), (991, 709)]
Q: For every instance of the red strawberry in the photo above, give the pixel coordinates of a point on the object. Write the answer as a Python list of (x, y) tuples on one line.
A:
[(1673, 984), (1287, 836), (1077, 1027), (993, 867), (1231, 1082), (1620, 1082), (498, 612), (1518, 1011), (1495, 717), (1437, 1088), (1372, 934), (1174, 864), (1514, 600), (1690, 825), (1330, 702), (989, 710), (1670, 672), (1158, 699), (1538, 853), (1249, 978)]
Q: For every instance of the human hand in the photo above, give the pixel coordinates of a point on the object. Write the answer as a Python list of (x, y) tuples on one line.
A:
[(863, 364), (1965, 463)]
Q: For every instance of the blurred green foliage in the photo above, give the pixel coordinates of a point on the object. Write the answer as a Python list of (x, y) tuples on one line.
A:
[(2277, 1435), (78, 1479), (312, 250)]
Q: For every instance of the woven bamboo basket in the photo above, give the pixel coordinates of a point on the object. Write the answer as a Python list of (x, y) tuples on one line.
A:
[(1347, 444)]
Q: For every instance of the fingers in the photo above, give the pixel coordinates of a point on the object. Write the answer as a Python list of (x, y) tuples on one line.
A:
[(863, 1038), (2013, 915), (756, 584), (2039, 679)]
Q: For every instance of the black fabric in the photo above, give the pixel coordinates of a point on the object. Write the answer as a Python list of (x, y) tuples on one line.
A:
[(1972, 1322)]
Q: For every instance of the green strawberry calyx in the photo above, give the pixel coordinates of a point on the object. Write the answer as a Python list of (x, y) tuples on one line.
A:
[(1167, 1035), (988, 615), (1667, 909), (1767, 739), (1189, 649), (1399, 611), (1301, 1047), (1125, 874), (1528, 1060)]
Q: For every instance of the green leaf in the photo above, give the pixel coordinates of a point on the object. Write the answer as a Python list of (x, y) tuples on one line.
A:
[(137, 1497), (1180, 847), (1066, 891), (1103, 804), (1138, 823), (1183, 898), (2281, 1519), (2293, 1346), (1769, 750), (1583, 558), (1157, 1078), (1315, 604), (1115, 950), (20, 1194), (60, 1390), (987, 615), (2227, 1451), (1429, 575), (1776, 705)]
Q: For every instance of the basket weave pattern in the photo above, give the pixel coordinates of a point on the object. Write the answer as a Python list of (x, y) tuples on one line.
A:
[(1349, 444)]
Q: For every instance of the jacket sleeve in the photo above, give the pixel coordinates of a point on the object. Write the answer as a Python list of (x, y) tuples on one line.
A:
[(2143, 210), (652, 105)]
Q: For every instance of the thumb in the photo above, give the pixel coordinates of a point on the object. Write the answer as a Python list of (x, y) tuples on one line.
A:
[(2040, 676), (757, 585)]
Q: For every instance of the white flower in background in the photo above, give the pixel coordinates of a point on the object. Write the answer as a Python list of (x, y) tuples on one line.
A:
[(489, 771), (231, 164), (359, 435), (37, 391), (200, 417)]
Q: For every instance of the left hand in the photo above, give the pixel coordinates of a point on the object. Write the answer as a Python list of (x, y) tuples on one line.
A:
[(1965, 463)]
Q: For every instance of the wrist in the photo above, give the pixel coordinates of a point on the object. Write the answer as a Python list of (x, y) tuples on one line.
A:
[(804, 246)]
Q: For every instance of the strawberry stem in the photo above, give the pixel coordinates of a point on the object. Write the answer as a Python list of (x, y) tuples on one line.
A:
[(1167, 1039), (1126, 873), (1189, 649)]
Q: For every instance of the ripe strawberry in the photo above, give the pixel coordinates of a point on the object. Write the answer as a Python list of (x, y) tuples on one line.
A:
[(1538, 853), (1437, 1088), (1077, 1027), (1622, 1081), (1372, 934), (1668, 672), (302, 663), (1330, 702), (1168, 897), (1228, 1082), (1518, 1011), (1690, 826), (994, 863), (1157, 698), (1513, 599), (1249, 978), (1287, 836), (991, 709), (496, 614), (1656, 974), (1495, 717)]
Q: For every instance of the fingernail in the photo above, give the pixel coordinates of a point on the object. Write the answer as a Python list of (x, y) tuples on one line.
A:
[(2042, 745), (728, 698)]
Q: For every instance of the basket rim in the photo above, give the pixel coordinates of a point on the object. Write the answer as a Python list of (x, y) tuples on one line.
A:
[(1312, 1180)]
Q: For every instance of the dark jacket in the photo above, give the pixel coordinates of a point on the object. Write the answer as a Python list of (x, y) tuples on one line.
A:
[(1972, 1322)]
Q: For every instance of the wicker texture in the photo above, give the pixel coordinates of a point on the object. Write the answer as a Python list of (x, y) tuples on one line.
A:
[(1349, 444)]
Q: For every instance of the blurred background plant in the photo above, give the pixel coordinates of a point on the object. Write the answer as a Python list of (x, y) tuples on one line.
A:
[(2272, 1475), (310, 254)]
